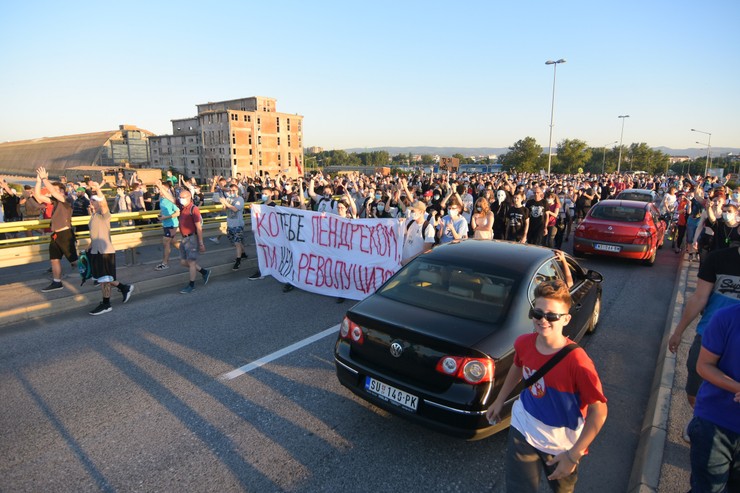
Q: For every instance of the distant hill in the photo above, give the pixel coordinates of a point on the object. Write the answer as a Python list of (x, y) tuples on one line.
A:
[(485, 151)]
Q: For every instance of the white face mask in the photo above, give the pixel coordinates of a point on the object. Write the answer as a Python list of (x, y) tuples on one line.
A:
[(381, 207), (453, 213), (265, 197), (184, 201), (414, 215), (501, 196), (728, 217)]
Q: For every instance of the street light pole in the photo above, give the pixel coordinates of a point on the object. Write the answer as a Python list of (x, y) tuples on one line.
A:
[(709, 148), (552, 110), (619, 160), (603, 160)]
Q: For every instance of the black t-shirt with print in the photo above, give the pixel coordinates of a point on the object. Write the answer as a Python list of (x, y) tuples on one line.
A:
[(516, 219), (537, 210)]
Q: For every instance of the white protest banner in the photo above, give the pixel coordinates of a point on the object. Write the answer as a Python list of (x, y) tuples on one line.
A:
[(325, 253)]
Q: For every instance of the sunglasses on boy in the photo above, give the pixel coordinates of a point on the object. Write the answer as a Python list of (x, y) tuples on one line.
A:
[(538, 314)]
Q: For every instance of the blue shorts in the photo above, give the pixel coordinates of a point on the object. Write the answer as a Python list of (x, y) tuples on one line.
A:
[(235, 234), (169, 232)]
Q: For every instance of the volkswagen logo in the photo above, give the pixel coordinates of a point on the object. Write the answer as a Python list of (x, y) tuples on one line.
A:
[(396, 349)]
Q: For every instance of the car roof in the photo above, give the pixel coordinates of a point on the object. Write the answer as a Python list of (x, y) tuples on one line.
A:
[(509, 255), (637, 190)]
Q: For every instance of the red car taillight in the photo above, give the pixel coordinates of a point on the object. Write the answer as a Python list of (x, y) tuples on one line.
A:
[(472, 370), (643, 236), (351, 331)]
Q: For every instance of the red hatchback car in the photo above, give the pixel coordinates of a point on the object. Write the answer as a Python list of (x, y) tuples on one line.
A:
[(621, 228)]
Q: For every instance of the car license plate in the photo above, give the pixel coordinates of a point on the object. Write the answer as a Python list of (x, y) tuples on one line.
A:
[(391, 394), (608, 248)]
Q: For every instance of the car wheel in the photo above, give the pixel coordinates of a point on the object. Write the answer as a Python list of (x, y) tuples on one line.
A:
[(594, 322), (650, 261)]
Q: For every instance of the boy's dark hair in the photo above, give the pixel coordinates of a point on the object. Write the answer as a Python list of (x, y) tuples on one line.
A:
[(554, 290)]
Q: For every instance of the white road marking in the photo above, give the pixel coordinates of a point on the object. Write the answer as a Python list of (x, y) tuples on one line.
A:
[(278, 354)]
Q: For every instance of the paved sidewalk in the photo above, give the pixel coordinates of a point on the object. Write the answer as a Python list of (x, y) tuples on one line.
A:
[(662, 458)]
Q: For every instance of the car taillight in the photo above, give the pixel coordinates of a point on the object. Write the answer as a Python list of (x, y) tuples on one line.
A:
[(351, 331), (643, 236), (472, 370)]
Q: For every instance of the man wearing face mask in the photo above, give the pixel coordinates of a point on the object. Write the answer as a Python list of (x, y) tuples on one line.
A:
[(419, 235), (234, 205), (726, 228), (266, 199), (191, 245)]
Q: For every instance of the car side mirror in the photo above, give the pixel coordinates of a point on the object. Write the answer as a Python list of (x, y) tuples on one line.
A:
[(594, 276)]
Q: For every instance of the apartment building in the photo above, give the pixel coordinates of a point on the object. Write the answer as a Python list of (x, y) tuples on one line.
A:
[(247, 136)]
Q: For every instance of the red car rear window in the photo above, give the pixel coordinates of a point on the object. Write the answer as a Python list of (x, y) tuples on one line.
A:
[(618, 213)]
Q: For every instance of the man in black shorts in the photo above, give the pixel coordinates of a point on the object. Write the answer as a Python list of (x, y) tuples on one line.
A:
[(62, 243), (103, 253)]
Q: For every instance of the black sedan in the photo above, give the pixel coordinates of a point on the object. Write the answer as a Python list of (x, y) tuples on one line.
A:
[(435, 342)]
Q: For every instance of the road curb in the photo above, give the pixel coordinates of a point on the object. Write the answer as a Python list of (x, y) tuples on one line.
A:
[(82, 301), (646, 467)]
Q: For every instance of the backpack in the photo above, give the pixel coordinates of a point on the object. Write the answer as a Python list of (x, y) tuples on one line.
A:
[(322, 199), (84, 266), (423, 230)]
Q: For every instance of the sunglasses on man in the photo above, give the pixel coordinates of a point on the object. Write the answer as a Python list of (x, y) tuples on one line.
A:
[(537, 314)]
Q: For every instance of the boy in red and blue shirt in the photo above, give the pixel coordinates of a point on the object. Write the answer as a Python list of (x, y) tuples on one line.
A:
[(556, 418)]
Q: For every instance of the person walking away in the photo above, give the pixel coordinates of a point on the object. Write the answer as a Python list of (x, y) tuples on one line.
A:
[(557, 418), (234, 205), (168, 216), (102, 252), (62, 241), (551, 219), (715, 427), (191, 245)]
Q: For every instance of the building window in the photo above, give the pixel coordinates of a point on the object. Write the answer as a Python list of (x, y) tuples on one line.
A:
[(250, 152), (259, 139), (259, 121), (234, 161), (192, 161), (279, 140), (233, 140), (235, 151), (260, 162), (250, 140)]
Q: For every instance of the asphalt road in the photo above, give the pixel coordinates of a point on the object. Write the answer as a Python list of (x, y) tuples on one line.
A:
[(135, 400)]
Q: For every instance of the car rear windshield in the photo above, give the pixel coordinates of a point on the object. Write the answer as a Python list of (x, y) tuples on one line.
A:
[(451, 289), (640, 197), (618, 213)]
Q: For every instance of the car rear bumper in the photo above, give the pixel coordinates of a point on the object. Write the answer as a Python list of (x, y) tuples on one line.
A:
[(449, 418), (627, 250)]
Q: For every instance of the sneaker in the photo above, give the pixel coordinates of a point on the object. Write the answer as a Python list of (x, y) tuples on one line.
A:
[(206, 275), (244, 255), (126, 291), (256, 276), (101, 308), (54, 286), (685, 434), (213, 239), (187, 289), (287, 287), (162, 267), (236, 264)]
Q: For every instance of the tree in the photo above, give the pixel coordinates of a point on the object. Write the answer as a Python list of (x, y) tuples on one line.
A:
[(524, 155), (427, 159), (572, 155)]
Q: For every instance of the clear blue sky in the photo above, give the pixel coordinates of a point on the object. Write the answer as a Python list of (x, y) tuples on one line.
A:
[(368, 74)]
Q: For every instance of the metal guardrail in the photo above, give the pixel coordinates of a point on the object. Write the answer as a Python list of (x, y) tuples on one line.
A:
[(25, 250)]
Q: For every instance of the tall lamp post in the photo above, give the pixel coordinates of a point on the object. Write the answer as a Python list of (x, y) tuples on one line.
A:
[(709, 147), (619, 160), (603, 159), (552, 110)]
